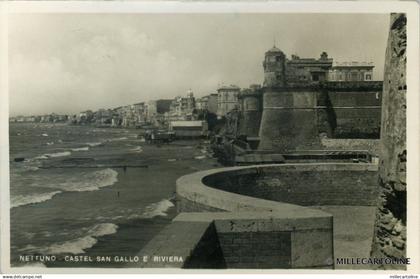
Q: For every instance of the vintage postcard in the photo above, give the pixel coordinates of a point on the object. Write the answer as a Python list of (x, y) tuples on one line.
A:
[(216, 137)]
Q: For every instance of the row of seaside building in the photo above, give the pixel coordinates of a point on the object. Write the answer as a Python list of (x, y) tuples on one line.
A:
[(227, 98)]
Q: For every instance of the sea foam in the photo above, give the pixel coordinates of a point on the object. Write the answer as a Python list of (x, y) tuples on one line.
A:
[(155, 209), (30, 199), (138, 149), (79, 245), (53, 155), (81, 148), (88, 182), (92, 144)]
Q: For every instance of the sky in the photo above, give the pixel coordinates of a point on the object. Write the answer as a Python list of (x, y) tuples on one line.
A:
[(67, 63)]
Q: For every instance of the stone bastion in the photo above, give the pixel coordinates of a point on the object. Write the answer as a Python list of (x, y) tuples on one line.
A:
[(258, 216)]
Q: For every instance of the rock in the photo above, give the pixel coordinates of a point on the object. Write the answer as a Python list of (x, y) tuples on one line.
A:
[(398, 227), (387, 227), (400, 187), (398, 242), (403, 233), (391, 251), (386, 219)]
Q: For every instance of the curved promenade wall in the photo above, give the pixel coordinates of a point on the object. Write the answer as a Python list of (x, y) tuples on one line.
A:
[(303, 184), (223, 225)]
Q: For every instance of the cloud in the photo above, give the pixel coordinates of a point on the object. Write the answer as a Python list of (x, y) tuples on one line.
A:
[(72, 62)]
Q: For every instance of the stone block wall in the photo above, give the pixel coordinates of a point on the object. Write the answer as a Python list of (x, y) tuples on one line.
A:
[(390, 225), (319, 185), (256, 249), (350, 114), (289, 121), (294, 117)]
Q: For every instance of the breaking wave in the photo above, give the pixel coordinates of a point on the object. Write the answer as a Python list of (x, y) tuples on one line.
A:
[(30, 199), (92, 144), (81, 149), (154, 210), (86, 182), (138, 149), (53, 155), (90, 181), (78, 245), (32, 265)]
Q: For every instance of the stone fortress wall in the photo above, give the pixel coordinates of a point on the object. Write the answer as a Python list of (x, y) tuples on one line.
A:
[(226, 221)]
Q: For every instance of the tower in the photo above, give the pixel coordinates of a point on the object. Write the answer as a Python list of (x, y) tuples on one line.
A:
[(274, 68), (289, 120)]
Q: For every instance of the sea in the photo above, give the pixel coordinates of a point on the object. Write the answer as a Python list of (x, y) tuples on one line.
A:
[(60, 205)]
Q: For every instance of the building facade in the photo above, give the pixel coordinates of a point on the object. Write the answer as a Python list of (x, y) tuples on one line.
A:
[(308, 69), (227, 99), (351, 71), (182, 107), (208, 102)]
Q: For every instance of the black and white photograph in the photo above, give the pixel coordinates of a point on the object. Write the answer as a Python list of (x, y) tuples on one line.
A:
[(264, 140)]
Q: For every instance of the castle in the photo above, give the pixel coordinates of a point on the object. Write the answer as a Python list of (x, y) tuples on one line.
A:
[(297, 105)]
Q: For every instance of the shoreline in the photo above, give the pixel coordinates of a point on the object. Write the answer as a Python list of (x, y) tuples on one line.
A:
[(147, 218)]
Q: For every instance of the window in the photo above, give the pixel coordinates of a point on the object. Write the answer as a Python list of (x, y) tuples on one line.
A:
[(278, 58), (368, 77), (315, 77)]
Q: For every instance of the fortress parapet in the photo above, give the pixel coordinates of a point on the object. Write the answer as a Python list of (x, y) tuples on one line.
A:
[(299, 104)]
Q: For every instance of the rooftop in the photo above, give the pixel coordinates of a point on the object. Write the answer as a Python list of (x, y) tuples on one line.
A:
[(228, 87), (274, 49), (354, 64)]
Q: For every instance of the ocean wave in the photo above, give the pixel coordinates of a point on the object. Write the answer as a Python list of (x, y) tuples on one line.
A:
[(32, 265), (138, 149), (89, 182), (103, 229), (30, 167), (79, 245), (30, 199), (53, 155), (154, 209), (44, 135), (92, 144), (76, 246), (81, 148)]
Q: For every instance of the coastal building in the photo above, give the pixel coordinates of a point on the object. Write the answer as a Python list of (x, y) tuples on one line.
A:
[(182, 107), (84, 117), (208, 102), (250, 106), (156, 111), (227, 99), (201, 103), (103, 117), (133, 115), (308, 69), (299, 104), (351, 71), (188, 129)]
